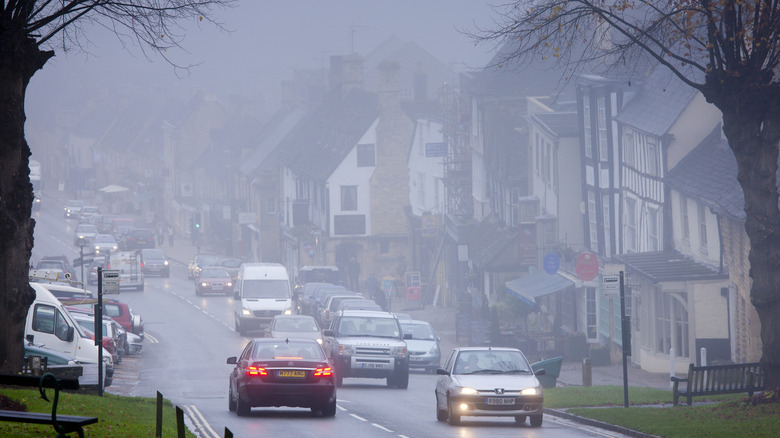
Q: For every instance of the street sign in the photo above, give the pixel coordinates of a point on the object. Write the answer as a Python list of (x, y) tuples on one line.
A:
[(110, 281), (610, 285), (587, 266)]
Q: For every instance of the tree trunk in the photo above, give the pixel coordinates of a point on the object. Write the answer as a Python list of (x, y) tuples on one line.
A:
[(20, 58), (751, 123)]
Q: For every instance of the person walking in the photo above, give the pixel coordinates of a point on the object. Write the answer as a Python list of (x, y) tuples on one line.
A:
[(160, 235), (353, 271), (170, 235)]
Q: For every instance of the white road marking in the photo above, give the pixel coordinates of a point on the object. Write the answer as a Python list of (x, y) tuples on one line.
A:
[(379, 426), (358, 417), (200, 423)]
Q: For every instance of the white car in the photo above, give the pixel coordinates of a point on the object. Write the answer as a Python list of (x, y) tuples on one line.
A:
[(104, 243), (85, 234)]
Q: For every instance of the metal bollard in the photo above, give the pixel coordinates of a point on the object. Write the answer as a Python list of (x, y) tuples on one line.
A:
[(587, 372)]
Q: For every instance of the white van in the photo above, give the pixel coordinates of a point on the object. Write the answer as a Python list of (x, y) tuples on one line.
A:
[(49, 324), (262, 292), (131, 272)]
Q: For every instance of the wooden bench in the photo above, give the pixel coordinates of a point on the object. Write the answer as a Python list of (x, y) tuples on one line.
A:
[(63, 424), (719, 379)]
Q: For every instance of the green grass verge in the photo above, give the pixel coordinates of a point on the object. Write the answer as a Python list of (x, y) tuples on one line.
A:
[(588, 396), (117, 416), (731, 419)]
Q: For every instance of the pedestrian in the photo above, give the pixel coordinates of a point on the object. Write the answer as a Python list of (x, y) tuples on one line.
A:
[(380, 298), (160, 234), (170, 235), (353, 271), (372, 285)]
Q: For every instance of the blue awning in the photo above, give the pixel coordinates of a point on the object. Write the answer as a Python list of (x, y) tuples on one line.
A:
[(537, 285)]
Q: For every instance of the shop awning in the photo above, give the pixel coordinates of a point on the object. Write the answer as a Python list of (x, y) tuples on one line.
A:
[(537, 285)]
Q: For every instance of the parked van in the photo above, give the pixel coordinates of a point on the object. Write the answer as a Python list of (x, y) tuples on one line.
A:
[(262, 292), (131, 271), (49, 324)]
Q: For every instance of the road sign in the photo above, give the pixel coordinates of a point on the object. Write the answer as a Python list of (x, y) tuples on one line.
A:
[(110, 281), (610, 284)]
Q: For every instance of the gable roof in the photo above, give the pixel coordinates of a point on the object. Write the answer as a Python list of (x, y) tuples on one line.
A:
[(324, 137), (659, 103), (274, 131)]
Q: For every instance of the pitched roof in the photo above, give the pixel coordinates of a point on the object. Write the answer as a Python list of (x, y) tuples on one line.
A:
[(659, 103), (559, 124), (660, 266), (324, 137), (270, 136), (709, 174)]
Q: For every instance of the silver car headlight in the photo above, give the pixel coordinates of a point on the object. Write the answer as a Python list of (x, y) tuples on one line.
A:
[(466, 391), (346, 350), (531, 391)]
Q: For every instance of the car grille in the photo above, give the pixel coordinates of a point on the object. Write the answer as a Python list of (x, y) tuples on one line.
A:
[(372, 351), (266, 313)]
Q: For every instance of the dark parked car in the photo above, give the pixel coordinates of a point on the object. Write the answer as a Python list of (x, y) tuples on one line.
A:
[(277, 372), (213, 280), (155, 262), (138, 238)]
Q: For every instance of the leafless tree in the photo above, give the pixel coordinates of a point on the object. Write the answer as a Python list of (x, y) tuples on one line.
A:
[(30, 31), (726, 49)]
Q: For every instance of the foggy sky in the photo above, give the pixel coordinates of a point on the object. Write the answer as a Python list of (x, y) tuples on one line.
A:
[(270, 39)]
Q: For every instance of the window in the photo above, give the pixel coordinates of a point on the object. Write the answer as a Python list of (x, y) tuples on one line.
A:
[(47, 319), (630, 243), (591, 318), (538, 157), (349, 198), (270, 206), (652, 160), (652, 230), (702, 226), (586, 120), (593, 222), (686, 228), (365, 155), (628, 148), (602, 109), (672, 323)]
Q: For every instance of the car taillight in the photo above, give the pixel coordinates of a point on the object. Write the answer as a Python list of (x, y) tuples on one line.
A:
[(323, 372), (253, 370)]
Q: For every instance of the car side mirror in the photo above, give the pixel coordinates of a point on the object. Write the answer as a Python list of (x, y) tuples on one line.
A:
[(442, 372), (69, 335), (30, 338), (232, 360), (540, 372)]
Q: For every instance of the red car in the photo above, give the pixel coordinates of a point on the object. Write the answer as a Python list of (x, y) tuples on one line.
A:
[(213, 280), (278, 372)]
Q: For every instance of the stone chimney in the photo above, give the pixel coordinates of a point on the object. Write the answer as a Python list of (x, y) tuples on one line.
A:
[(389, 87), (346, 72)]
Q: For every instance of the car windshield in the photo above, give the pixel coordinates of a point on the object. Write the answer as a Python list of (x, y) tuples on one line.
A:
[(419, 331), (214, 273), (153, 254), (86, 228), (295, 325), (368, 326), (287, 350), (491, 362), (261, 288)]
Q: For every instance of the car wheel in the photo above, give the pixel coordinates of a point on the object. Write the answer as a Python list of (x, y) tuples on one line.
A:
[(239, 330), (441, 414), (520, 419), (452, 417), (231, 402), (536, 420), (242, 407), (329, 410)]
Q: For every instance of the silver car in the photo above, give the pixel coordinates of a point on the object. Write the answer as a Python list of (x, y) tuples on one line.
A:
[(423, 347), (295, 326), (487, 381)]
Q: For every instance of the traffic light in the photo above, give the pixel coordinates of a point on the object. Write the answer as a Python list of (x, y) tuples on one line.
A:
[(197, 219)]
